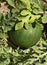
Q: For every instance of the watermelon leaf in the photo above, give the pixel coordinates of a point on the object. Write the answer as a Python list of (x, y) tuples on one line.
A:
[(11, 3)]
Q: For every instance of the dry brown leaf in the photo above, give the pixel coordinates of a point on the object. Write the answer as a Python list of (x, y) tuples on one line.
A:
[(4, 8)]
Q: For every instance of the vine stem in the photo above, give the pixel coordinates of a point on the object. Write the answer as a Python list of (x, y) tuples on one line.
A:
[(41, 56)]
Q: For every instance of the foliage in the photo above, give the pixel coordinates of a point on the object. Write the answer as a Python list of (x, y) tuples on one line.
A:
[(22, 12), (36, 55)]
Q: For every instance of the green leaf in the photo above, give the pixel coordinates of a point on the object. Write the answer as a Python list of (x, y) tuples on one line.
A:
[(38, 7), (7, 28), (34, 17), (24, 19), (7, 61), (44, 18), (11, 3), (38, 63), (1, 15), (28, 18), (37, 11), (36, 49), (2, 35), (45, 58), (28, 4), (27, 26), (25, 12), (46, 7), (19, 26), (14, 10), (1, 63)]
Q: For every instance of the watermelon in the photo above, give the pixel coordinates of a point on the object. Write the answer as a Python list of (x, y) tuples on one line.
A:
[(26, 38)]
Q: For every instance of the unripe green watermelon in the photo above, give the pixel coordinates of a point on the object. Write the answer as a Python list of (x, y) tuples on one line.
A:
[(26, 38)]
